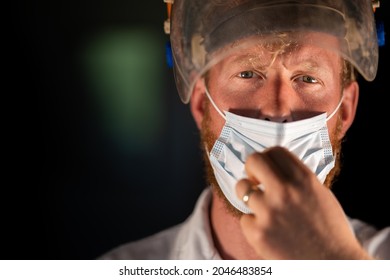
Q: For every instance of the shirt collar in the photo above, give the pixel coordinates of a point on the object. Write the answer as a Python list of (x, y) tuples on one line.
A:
[(195, 241)]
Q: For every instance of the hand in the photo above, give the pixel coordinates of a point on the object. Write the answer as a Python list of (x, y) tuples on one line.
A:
[(295, 217)]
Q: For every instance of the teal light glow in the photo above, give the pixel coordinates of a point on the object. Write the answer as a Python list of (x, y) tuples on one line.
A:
[(125, 70)]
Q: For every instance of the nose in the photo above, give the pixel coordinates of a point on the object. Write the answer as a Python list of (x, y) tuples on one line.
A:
[(277, 102), (277, 119)]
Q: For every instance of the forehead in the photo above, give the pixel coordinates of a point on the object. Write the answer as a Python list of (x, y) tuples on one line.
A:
[(311, 50)]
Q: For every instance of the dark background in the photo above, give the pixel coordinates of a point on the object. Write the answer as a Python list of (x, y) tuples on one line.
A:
[(71, 190)]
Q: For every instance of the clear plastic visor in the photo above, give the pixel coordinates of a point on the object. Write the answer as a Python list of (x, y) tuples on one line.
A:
[(200, 42)]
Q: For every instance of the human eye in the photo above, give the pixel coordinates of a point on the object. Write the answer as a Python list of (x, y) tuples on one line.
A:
[(246, 80), (309, 79), (249, 74), (246, 74), (308, 84)]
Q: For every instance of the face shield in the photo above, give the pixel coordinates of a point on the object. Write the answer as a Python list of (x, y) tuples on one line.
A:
[(203, 32)]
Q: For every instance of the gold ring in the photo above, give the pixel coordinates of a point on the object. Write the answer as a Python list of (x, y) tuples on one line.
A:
[(246, 196)]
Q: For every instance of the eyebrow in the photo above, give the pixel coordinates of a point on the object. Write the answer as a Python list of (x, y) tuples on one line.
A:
[(317, 61), (303, 58), (252, 60), (309, 65)]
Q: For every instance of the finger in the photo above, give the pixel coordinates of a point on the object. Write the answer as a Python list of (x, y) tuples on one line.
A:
[(277, 167), (290, 166), (250, 194), (261, 168)]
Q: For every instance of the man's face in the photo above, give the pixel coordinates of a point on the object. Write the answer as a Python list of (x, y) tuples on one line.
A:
[(280, 82)]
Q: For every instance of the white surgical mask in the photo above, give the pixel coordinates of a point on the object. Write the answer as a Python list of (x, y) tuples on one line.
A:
[(242, 136)]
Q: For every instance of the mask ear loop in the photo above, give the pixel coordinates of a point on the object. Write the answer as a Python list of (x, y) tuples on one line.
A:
[(336, 109), (214, 105), (219, 112)]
